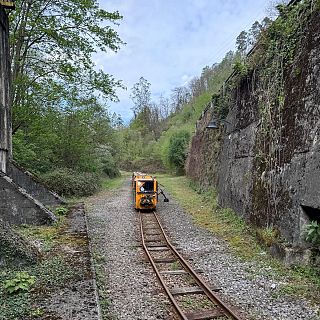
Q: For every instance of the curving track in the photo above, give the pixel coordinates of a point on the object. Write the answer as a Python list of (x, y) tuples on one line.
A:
[(191, 297)]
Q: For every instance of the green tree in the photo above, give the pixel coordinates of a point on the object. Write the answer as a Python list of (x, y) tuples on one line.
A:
[(242, 42), (52, 43), (58, 94), (254, 32), (141, 96), (177, 152)]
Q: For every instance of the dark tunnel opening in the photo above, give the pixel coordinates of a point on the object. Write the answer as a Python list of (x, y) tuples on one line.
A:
[(313, 214)]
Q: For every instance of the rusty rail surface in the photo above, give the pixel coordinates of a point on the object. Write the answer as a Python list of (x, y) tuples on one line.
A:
[(206, 303)]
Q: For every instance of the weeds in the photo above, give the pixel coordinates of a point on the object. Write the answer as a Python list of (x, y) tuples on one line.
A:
[(21, 282)]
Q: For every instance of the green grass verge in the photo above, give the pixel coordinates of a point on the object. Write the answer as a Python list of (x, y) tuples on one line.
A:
[(110, 184), (241, 238)]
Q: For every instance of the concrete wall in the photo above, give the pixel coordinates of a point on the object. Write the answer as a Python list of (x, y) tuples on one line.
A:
[(33, 186), (202, 160), (5, 121), (18, 207), (269, 195), (22, 197)]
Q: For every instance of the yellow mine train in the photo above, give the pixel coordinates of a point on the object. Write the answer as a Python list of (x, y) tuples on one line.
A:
[(145, 190)]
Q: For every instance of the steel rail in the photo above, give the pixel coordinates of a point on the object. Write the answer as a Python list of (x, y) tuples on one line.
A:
[(208, 292), (167, 290)]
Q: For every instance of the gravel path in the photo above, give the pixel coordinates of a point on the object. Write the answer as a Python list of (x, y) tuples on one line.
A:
[(132, 288)]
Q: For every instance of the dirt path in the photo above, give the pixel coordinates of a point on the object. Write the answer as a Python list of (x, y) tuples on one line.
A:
[(126, 281)]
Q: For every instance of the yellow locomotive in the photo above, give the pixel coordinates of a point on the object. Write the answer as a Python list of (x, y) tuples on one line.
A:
[(145, 189)]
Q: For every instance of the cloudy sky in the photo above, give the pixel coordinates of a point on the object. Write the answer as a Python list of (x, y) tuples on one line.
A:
[(169, 41)]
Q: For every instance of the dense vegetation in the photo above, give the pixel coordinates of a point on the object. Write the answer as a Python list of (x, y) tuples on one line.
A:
[(158, 136), (58, 96), (62, 129)]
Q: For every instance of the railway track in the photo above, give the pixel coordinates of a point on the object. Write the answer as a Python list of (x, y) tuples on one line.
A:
[(191, 297)]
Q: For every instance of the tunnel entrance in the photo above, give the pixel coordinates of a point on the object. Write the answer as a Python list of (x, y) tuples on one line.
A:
[(312, 214)]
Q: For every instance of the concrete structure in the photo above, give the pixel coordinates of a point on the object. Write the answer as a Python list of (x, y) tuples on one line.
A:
[(5, 121), (32, 185), (271, 177)]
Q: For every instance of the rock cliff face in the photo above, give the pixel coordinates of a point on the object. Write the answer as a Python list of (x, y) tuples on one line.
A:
[(281, 191)]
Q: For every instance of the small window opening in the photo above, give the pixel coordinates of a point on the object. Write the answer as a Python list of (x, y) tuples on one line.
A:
[(313, 214)]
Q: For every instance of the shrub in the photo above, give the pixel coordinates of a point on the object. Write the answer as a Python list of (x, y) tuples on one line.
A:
[(109, 166), (67, 182), (312, 233), (61, 211), (177, 150), (22, 282)]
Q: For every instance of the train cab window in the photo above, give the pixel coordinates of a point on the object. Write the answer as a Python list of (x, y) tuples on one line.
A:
[(147, 186)]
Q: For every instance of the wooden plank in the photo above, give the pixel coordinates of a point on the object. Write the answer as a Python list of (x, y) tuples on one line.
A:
[(153, 240), (189, 290), (165, 260), (185, 290), (160, 248), (205, 314), (174, 272), (155, 245)]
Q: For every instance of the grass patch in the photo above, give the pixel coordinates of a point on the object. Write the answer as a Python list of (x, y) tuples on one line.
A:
[(241, 238), (49, 273), (206, 213), (99, 265), (110, 184)]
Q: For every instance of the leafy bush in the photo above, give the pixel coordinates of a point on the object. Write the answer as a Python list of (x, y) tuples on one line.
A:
[(109, 166), (177, 150), (312, 232), (61, 211), (22, 282), (67, 182)]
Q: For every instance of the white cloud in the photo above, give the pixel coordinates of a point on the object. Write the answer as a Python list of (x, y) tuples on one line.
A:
[(169, 42)]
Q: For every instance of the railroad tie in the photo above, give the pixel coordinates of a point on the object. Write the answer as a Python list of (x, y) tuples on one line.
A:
[(205, 314), (188, 290), (165, 260)]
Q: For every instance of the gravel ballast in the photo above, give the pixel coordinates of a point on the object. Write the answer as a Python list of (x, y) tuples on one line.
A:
[(132, 289)]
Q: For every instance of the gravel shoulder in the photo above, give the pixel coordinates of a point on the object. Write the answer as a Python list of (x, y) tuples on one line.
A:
[(254, 288), (129, 289)]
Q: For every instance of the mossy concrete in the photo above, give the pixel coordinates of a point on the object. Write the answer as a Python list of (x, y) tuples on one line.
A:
[(268, 195)]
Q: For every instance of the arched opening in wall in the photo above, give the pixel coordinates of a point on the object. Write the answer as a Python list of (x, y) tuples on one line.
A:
[(311, 214)]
